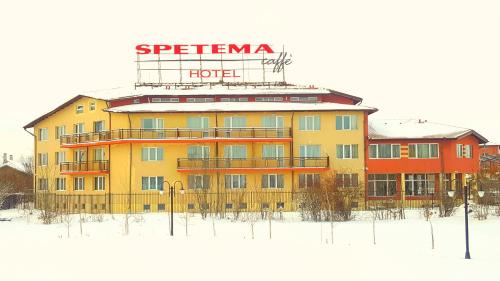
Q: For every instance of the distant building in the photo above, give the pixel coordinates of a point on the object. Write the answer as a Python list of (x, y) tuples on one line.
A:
[(14, 179), (490, 149)]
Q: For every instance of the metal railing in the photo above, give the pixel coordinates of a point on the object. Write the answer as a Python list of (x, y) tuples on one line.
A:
[(227, 163), (85, 166), (175, 133)]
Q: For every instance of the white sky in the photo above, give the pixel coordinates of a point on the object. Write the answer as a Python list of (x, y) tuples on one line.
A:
[(429, 59)]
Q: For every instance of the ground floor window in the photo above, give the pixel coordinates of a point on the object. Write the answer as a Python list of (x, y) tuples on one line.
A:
[(235, 181), (99, 183), (308, 180), (43, 184), (152, 183), (60, 184), (382, 185), (273, 181), (199, 181), (346, 180), (419, 184), (79, 184)]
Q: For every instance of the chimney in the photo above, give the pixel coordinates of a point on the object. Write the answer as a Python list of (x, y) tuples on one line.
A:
[(5, 158), (11, 158)]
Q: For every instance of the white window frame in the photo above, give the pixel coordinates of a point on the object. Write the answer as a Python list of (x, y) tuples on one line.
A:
[(103, 126), (79, 109), (60, 184), (60, 157), (410, 183), (416, 150), (43, 134), (460, 150), (467, 151), (313, 178), (92, 106), (43, 184), (351, 122), (60, 131), (154, 153), (199, 178), (79, 184), (79, 128), (43, 159), (315, 127), (204, 149), (99, 183), (158, 123), (351, 149), (241, 181), (158, 183), (377, 156), (80, 155), (268, 180), (99, 152)]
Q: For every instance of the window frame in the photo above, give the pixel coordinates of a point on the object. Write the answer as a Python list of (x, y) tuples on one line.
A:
[(417, 150), (99, 183), (315, 123), (351, 151), (377, 152)]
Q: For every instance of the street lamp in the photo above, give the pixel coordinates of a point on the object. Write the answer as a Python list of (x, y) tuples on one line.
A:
[(451, 193), (171, 190)]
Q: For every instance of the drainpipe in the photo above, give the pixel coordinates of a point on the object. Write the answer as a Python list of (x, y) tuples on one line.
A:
[(34, 165)]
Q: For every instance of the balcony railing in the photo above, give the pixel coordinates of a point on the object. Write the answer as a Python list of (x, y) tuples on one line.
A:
[(101, 166), (252, 163), (176, 133)]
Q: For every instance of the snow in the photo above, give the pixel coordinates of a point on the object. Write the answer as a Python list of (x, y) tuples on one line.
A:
[(412, 129), (236, 106), (297, 250), (15, 165), (119, 92)]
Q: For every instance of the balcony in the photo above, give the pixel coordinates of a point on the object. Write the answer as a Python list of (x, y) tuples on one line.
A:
[(177, 135), (84, 168), (253, 164)]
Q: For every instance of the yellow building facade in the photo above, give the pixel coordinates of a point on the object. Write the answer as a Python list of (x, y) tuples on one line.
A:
[(221, 156)]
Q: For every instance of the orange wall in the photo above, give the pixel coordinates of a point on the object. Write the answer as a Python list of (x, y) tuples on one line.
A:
[(447, 162), (490, 149)]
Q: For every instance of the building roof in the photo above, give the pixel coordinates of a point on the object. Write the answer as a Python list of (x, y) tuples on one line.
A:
[(14, 165), (34, 122), (237, 107), (417, 129)]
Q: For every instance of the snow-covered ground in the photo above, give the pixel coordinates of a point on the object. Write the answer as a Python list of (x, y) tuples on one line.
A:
[(297, 250)]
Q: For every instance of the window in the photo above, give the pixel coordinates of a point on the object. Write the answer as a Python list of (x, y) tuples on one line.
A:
[(99, 183), (165, 100), (80, 155), (235, 151), (79, 128), (190, 206), (309, 180), (280, 205), (233, 99), (152, 123), (60, 184), (267, 99), (272, 121), (79, 109), (447, 182), (92, 106), (423, 150), (309, 123), (79, 184), (152, 183), (199, 181), (152, 153), (310, 150), (147, 208), (460, 150), (347, 151), (243, 205), (229, 205), (272, 151), (43, 134), (43, 184), (346, 122), (235, 122), (468, 151), (384, 151), (235, 181), (419, 184), (43, 159), (382, 185), (198, 151), (99, 154), (304, 99), (197, 122), (136, 101), (346, 180), (273, 181), (60, 157), (200, 99), (98, 126), (60, 131), (161, 207)]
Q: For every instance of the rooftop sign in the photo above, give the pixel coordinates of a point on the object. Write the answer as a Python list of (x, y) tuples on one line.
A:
[(201, 64)]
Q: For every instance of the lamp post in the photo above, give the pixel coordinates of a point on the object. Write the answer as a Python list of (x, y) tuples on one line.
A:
[(171, 190), (451, 193)]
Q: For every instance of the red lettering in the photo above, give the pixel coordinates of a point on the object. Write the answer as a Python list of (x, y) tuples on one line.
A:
[(192, 72), (180, 49), (142, 49), (218, 49), (265, 48), (158, 48), (199, 48), (234, 48)]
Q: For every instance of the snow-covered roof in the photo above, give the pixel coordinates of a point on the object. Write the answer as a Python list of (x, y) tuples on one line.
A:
[(238, 107), (13, 164), (217, 89), (416, 129)]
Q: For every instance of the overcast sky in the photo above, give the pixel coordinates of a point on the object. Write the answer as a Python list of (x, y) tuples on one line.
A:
[(428, 59)]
